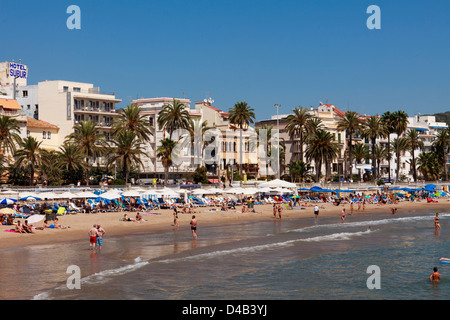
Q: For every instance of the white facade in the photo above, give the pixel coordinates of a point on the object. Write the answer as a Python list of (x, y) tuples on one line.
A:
[(27, 96), (64, 103), (152, 165)]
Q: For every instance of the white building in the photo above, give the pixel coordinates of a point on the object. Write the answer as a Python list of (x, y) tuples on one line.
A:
[(153, 167), (65, 103)]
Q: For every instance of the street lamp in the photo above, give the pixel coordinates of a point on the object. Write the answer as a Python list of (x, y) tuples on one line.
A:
[(278, 141)]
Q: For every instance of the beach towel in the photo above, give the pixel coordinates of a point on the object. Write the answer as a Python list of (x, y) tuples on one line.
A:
[(11, 230)]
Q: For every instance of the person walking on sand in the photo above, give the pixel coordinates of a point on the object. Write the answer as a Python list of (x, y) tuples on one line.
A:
[(343, 215), (316, 211), (93, 232), (274, 210), (100, 233), (175, 217), (193, 224)]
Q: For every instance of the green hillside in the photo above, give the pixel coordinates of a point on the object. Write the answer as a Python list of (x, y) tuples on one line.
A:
[(443, 117)]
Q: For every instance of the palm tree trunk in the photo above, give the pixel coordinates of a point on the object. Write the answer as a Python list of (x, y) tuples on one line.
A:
[(350, 156), (398, 165), (31, 174), (87, 171), (166, 175), (374, 163), (301, 144), (240, 151), (389, 157), (414, 166)]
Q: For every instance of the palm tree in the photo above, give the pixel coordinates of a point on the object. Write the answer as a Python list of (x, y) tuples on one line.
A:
[(131, 119), (372, 130), (351, 124), (322, 149), (9, 134), (90, 142), (197, 130), (174, 116), (241, 115), (399, 145), (297, 125), (399, 124), (70, 158), (413, 142), (127, 150), (428, 166), (164, 152), (50, 171), (29, 155), (380, 154), (361, 153), (441, 146), (299, 170), (388, 119)]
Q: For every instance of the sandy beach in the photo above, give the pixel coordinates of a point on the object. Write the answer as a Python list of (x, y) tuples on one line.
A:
[(162, 220)]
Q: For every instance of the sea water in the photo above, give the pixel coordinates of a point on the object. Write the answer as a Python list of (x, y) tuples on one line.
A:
[(269, 260)]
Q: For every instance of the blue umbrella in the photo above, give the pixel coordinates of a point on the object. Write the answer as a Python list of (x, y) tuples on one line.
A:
[(30, 198), (8, 201)]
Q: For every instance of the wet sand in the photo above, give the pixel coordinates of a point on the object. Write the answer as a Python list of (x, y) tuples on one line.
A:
[(162, 220)]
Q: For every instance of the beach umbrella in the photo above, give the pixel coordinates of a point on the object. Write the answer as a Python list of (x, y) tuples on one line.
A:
[(110, 195), (30, 198), (7, 211), (35, 218), (8, 201), (85, 194), (278, 183), (131, 193)]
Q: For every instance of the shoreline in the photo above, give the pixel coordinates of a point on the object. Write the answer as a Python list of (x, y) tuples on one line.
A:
[(163, 221)]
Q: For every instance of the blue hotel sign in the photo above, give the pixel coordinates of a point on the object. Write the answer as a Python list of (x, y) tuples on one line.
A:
[(17, 70)]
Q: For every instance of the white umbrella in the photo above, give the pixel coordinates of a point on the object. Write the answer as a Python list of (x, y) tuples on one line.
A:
[(35, 218), (110, 195), (278, 183), (282, 190), (85, 194), (66, 195), (131, 193)]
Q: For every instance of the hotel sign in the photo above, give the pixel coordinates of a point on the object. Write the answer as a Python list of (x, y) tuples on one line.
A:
[(17, 70)]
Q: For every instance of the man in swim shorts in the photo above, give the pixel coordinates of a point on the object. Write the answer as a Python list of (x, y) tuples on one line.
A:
[(101, 233), (316, 211), (93, 233), (194, 227)]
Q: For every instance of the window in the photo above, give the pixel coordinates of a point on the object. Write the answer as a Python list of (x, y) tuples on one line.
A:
[(43, 135), (75, 89), (66, 89), (49, 135), (28, 107), (28, 133), (25, 93)]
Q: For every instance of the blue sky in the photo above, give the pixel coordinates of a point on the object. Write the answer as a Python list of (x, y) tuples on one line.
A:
[(291, 52)]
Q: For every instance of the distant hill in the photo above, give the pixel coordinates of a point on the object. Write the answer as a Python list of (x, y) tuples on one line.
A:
[(443, 117)]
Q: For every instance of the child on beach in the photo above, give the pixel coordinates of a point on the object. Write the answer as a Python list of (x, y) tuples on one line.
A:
[(343, 215)]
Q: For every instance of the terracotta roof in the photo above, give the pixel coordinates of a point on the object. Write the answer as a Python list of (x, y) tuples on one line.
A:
[(33, 123), (10, 104)]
